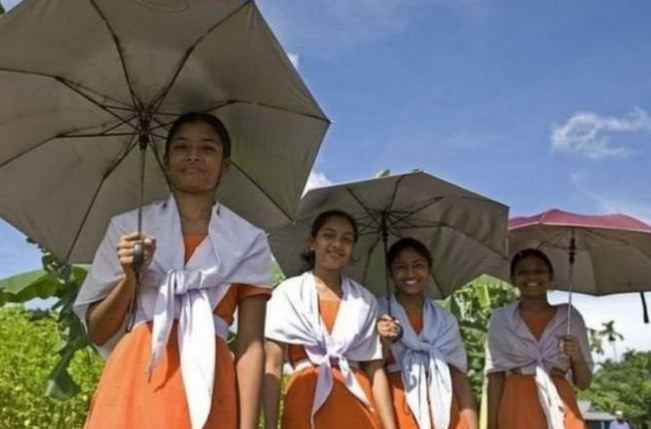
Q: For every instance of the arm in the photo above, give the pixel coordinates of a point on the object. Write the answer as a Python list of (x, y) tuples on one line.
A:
[(495, 388), (581, 374), (105, 317), (249, 358), (465, 398), (273, 371), (381, 393)]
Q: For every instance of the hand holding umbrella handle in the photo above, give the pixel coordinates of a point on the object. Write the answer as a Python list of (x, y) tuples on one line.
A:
[(138, 255)]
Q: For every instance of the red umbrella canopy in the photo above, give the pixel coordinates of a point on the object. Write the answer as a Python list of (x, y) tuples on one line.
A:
[(612, 252)]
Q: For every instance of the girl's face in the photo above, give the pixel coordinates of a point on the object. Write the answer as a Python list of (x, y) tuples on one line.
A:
[(532, 277), (410, 271), (196, 158), (333, 244)]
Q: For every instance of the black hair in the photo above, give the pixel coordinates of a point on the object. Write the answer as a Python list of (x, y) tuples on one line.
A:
[(408, 243), (319, 222), (530, 252), (200, 117)]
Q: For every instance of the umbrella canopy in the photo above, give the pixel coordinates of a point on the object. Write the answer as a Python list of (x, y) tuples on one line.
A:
[(612, 253), (465, 232), (85, 83)]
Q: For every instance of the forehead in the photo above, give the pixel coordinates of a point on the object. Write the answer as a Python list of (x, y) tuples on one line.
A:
[(198, 129), (530, 261), (409, 254), (338, 223)]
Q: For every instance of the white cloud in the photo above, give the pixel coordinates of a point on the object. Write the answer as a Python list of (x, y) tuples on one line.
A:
[(590, 134), (316, 180)]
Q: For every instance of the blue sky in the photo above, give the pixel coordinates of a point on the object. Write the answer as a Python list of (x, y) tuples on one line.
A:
[(535, 104)]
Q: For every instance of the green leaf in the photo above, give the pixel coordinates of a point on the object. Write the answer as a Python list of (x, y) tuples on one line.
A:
[(26, 286), (59, 384)]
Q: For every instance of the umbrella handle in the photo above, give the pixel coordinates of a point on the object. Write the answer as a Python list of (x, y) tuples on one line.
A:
[(138, 255)]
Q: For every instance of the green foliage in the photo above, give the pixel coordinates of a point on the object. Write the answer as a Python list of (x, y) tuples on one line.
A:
[(27, 341), (473, 305), (624, 385), (1, 10), (61, 281)]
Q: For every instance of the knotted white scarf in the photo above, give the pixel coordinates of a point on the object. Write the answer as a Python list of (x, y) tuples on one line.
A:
[(235, 252), (293, 318), (511, 345), (424, 360)]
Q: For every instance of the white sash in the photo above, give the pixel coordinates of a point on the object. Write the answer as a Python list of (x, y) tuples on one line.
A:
[(424, 360), (512, 346), (293, 318), (234, 252)]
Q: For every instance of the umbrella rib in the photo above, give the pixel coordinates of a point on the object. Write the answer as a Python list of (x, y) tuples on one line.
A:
[(394, 194), (425, 205), (264, 192), (74, 88), (372, 217), (107, 173), (163, 95), (134, 99)]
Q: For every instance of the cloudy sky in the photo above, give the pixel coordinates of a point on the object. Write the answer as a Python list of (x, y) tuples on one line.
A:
[(535, 104)]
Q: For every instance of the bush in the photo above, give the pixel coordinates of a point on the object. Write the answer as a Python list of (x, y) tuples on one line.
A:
[(28, 340)]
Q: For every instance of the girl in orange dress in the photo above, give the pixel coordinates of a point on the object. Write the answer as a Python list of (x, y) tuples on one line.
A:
[(324, 323), (174, 369), (532, 363), (427, 361)]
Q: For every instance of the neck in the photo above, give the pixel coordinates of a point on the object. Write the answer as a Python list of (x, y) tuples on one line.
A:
[(534, 304), (194, 211), (330, 278), (411, 303)]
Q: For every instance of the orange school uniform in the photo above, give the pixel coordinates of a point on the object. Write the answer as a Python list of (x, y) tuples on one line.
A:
[(520, 406), (127, 397), (341, 410)]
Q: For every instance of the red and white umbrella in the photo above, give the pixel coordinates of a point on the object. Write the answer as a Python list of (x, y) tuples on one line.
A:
[(593, 254)]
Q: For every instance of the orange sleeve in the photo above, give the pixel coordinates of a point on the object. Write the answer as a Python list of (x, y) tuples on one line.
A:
[(244, 291)]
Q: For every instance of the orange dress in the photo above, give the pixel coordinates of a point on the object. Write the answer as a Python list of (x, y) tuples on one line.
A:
[(341, 410), (404, 416), (520, 406), (127, 397)]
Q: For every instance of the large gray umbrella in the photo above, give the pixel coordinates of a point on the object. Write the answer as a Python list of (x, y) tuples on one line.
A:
[(465, 232), (86, 83)]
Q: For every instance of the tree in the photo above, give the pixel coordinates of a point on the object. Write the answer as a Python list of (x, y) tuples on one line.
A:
[(626, 386), (473, 305)]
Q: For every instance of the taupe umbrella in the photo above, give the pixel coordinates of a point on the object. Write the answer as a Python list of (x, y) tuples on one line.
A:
[(465, 231), (89, 88)]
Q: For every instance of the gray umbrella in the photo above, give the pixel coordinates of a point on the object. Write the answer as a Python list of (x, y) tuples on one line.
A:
[(465, 232), (87, 84)]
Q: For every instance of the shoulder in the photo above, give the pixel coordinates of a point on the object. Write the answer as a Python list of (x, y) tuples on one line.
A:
[(357, 290), (442, 312), (290, 285), (129, 219), (502, 314), (227, 215)]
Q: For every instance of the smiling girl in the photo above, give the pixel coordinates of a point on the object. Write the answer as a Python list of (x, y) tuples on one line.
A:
[(532, 363), (324, 323), (427, 364)]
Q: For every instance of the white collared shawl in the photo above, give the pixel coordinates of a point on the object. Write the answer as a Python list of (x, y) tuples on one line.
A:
[(293, 318), (511, 346), (235, 252), (423, 360)]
